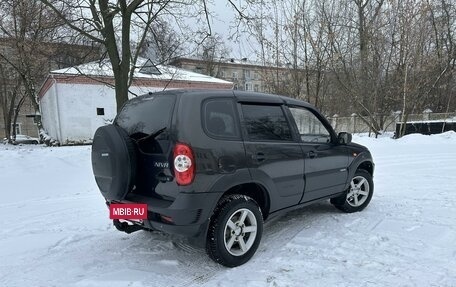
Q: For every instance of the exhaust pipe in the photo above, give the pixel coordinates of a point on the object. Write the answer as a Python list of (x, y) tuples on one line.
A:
[(125, 227)]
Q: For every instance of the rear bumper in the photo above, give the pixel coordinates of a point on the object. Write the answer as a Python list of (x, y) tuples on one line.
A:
[(187, 215)]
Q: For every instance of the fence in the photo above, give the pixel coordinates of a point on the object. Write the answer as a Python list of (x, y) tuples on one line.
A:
[(354, 123)]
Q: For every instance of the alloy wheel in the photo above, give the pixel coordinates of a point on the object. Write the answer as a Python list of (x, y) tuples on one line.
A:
[(240, 232)]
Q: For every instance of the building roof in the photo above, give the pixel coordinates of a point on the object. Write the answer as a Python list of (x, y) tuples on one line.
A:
[(244, 62), (146, 75), (145, 69)]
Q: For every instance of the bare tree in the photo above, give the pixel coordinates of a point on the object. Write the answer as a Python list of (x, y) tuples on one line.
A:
[(11, 100), (24, 24), (162, 43), (443, 20), (369, 57), (33, 40), (112, 24), (212, 51), (293, 40)]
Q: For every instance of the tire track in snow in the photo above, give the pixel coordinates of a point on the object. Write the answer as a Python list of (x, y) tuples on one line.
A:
[(283, 229), (198, 269)]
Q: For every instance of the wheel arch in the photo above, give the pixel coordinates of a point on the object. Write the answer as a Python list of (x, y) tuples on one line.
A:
[(367, 166), (362, 162), (254, 190)]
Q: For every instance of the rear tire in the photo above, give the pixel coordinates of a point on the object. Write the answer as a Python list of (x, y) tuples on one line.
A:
[(235, 230), (358, 195)]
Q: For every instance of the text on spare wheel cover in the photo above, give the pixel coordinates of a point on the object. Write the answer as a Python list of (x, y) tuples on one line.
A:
[(128, 211)]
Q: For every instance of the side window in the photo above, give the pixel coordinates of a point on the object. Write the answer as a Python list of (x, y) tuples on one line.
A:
[(266, 123), (311, 129), (219, 118)]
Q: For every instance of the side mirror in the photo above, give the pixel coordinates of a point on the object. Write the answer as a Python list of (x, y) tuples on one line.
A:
[(344, 138)]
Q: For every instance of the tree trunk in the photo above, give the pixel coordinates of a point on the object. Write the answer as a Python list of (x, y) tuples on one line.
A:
[(404, 102), (121, 84), (364, 53), (16, 114)]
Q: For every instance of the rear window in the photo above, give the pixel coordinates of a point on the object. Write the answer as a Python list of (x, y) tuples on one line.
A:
[(219, 119), (146, 115)]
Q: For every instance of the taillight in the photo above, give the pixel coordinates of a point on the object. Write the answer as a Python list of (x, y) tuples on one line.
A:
[(184, 164)]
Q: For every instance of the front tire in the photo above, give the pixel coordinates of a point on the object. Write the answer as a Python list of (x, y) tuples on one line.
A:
[(358, 195), (235, 230)]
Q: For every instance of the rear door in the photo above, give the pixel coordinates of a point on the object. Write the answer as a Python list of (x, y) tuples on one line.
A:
[(147, 120), (274, 156), (325, 161)]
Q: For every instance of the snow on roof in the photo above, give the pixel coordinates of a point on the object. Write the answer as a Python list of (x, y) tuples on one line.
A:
[(234, 61), (165, 72), (243, 61)]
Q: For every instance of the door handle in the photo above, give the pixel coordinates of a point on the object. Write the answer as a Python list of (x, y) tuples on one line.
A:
[(259, 156), (311, 154)]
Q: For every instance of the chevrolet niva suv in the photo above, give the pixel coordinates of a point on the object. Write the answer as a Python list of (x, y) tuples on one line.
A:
[(213, 165)]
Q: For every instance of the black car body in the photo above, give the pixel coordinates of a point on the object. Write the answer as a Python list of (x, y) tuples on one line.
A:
[(191, 155)]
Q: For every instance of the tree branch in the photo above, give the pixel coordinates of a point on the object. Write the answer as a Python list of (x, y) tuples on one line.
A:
[(69, 23)]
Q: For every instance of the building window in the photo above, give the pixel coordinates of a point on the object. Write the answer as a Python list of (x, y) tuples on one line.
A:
[(256, 76), (235, 75), (100, 112), (17, 128), (248, 86), (247, 74), (256, 88), (222, 74)]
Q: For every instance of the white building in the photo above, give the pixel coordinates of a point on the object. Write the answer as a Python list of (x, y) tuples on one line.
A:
[(75, 101)]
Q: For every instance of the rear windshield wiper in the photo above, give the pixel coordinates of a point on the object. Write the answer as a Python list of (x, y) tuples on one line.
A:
[(153, 135)]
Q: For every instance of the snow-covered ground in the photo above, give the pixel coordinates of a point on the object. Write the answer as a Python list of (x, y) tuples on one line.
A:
[(55, 229)]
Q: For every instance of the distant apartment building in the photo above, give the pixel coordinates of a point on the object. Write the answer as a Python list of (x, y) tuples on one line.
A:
[(45, 57), (246, 75)]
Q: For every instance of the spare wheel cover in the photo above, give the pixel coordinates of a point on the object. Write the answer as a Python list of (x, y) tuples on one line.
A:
[(113, 162)]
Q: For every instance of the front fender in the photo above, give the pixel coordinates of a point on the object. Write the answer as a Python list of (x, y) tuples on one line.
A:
[(363, 159)]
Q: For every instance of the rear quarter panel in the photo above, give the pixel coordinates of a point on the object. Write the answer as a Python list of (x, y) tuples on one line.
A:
[(218, 162)]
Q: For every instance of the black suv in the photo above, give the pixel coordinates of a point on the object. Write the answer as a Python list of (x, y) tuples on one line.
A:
[(212, 165)]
